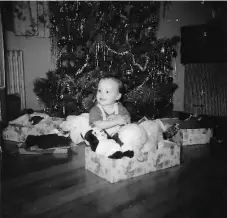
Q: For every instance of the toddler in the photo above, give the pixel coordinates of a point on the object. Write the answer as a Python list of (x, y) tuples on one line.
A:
[(109, 113)]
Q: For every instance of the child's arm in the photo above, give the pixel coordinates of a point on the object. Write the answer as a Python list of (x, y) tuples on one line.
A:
[(96, 119), (106, 124), (124, 112)]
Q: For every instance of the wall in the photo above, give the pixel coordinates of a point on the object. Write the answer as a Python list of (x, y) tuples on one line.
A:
[(178, 15), (37, 56), (37, 61)]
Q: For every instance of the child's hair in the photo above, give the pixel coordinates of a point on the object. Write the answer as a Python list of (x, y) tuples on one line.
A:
[(118, 81)]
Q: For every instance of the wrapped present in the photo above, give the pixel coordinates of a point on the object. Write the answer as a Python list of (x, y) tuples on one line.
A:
[(114, 170), (196, 136), (18, 130)]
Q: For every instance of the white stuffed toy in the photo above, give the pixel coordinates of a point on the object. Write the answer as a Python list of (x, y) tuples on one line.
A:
[(101, 143), (133, 138), (142, 137), (154, 129), (77, 126), (139, 138)]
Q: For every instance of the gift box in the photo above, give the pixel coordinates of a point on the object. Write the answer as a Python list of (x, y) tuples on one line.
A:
[(196, 136), (114, 170)]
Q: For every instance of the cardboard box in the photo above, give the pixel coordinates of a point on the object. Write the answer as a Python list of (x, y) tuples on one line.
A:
[(113, 170), (196, 136)]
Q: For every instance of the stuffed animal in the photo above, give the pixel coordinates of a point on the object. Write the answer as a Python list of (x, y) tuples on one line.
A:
[(101, 143), (142, 137), (139, 138), (133, 137), (154, 129), (77, 126)]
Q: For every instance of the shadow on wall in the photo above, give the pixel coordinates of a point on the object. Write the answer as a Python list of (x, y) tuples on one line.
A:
[(13, 106)]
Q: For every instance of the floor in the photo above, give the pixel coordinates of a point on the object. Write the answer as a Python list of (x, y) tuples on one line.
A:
[(58, 186)]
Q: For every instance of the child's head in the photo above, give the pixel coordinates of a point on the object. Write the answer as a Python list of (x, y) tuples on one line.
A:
[(109, 91)]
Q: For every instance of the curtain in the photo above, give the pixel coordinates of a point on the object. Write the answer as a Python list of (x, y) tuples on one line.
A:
[(2, 73), (2, 62)]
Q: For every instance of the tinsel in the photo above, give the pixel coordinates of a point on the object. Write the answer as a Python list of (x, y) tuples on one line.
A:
[(95, 39)]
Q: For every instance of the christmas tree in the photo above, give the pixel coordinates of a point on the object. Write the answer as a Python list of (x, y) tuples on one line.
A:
[(97, 39)]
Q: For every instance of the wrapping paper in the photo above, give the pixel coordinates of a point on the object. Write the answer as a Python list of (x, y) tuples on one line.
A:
[(196, 136), (18, 132)]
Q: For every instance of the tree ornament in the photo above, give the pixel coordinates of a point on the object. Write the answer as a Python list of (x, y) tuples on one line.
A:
[(163, 50), (71, 63), (129, 72), (64, 63)]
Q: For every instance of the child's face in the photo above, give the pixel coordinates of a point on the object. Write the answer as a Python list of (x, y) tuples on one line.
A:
[(108, 92)]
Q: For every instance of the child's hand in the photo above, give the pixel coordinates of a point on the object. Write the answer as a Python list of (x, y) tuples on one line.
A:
[(121, 120), (128, 119), (112, 117)]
